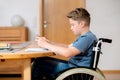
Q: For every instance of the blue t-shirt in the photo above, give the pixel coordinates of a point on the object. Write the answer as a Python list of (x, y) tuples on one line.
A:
[(84, 44)]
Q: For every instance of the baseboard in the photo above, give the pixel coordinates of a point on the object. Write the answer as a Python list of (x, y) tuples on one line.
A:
[(111, 71)]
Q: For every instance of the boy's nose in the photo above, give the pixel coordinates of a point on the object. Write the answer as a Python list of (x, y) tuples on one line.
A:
[(71, 28)]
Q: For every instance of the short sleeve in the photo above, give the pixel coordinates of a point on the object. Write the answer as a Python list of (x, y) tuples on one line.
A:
[(82, 43)]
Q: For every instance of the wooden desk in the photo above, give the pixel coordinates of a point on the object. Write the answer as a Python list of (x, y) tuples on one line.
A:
[(21, 59)]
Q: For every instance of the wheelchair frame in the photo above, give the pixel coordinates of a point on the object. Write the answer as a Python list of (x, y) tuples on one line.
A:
[(93, 70)]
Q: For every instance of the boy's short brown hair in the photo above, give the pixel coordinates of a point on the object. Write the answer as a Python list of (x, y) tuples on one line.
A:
[(80, 14)]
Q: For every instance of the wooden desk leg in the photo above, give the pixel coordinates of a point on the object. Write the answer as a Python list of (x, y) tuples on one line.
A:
[(26, 74)]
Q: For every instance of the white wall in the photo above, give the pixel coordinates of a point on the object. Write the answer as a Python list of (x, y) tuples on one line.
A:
[(105, 16), (28, 9)]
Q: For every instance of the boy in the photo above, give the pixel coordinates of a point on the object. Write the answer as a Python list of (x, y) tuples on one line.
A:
[(79, 51)]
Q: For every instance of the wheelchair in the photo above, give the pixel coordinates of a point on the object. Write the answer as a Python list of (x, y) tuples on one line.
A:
[(86, 73)]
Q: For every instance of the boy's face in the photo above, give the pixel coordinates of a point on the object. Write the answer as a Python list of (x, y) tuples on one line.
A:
[(76, 27)]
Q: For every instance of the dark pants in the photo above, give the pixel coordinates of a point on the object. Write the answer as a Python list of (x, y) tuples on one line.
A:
[(47, 67)]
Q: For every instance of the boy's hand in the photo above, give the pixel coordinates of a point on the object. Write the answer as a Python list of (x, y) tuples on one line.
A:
[(41, 41)]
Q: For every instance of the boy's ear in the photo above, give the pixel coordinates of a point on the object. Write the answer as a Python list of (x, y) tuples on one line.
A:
[(82, 23)]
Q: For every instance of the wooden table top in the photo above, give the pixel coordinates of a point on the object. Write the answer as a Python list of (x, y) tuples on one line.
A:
[(21, 53)]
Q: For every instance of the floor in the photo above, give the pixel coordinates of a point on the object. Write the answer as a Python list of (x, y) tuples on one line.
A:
[(109, 76), (112, 76)]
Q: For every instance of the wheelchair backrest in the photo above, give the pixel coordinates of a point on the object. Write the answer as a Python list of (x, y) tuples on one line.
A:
[(97, 51)]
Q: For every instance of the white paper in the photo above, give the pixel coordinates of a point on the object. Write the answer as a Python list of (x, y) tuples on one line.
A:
[(36, 49)]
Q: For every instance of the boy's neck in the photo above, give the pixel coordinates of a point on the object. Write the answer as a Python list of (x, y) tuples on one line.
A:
[(84, 30)]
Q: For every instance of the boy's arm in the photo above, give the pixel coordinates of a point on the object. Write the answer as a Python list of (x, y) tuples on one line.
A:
[(62, 49)]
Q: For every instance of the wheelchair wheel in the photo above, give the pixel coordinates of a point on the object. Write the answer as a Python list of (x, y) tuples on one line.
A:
[(81, 74)]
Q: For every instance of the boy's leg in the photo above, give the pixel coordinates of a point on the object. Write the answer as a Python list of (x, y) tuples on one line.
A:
[(48, 66)]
